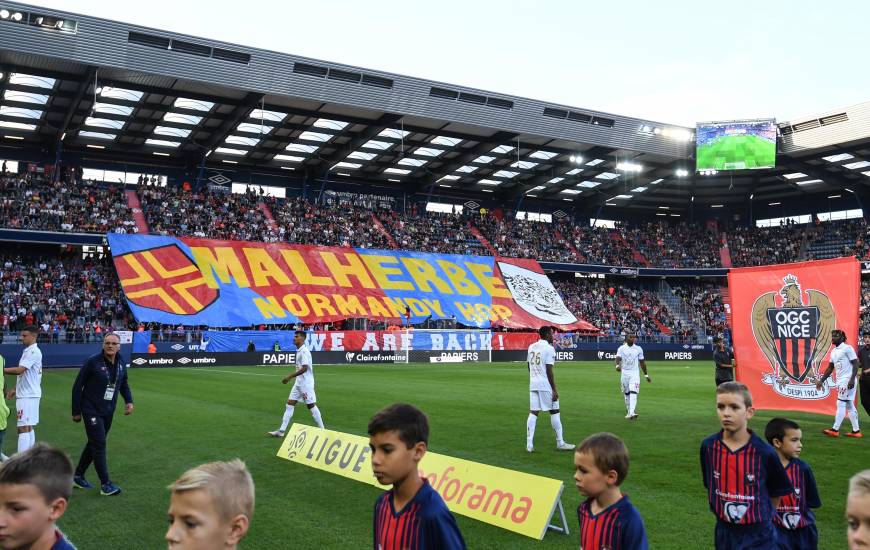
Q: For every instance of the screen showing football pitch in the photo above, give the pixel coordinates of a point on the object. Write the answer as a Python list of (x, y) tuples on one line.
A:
[(736, 145)]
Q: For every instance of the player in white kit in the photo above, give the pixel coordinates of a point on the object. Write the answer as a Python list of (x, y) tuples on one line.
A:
[(628, 357), (845, 362), (28, 388), (303, 387), (542, 389)]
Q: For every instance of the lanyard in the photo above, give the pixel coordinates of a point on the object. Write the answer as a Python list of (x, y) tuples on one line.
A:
[(117, 370)]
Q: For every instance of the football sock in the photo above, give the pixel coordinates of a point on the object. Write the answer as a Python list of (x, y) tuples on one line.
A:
[(853, 416), (288, 415), (841, 414), (25, 441), (556, 422), (627, 407), (632, 402), (315, 413), (530, 429)]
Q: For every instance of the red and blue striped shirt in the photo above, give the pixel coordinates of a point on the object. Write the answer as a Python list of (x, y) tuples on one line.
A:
[(424, 523), (794, 510), (617, 527), (741, 483)]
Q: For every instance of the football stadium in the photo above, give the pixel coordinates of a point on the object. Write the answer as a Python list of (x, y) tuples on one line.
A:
[(191, 229)]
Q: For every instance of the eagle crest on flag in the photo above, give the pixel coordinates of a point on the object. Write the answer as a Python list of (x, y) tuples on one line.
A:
[(165, 279), (794, 336)]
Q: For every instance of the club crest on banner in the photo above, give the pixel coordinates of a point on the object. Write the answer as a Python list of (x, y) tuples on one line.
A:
[(165, 279), (794, 333)]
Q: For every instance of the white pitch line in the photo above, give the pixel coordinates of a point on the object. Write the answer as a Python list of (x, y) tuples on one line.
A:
[(206, 369)]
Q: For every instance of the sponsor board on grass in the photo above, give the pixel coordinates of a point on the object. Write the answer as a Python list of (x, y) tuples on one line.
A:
[(516, 501)]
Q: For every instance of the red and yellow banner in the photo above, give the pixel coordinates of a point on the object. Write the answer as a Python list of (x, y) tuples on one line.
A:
[(782, 319), (193, 281)]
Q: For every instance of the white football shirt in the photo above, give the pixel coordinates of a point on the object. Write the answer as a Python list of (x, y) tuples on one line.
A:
[(631, 357), (303, 357), (541, 354), (841, 357), (29, 383)]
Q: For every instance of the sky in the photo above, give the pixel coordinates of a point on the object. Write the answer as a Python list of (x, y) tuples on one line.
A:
[(669, 61)]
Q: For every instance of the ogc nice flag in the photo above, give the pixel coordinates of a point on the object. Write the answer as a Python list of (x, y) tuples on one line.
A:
[(782, 318)]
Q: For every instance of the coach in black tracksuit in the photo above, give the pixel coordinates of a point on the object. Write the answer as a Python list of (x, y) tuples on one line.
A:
[(864, 379), (94, 397), (724, 360)]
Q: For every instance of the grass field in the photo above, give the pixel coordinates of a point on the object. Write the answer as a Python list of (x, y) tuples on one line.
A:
[(477, 411), (735, 153)]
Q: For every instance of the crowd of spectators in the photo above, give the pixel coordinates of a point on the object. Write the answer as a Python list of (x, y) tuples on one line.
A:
[(340, 223), (70, 297), (619, 308), (35, 201), (675, 245), (704, 301), (436, 232), (526, 238), (174, 210), (751, 246), (599, 245), (840, 238)]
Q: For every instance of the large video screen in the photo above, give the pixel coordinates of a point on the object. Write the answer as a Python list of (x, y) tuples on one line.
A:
[(736, 145)]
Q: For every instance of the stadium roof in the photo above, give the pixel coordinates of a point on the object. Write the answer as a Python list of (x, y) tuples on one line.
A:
[(118, 92)]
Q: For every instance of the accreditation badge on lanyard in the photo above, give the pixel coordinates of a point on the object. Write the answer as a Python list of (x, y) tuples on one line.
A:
[(110, 388)]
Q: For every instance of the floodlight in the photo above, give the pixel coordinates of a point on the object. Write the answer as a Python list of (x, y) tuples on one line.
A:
[(4, 14)]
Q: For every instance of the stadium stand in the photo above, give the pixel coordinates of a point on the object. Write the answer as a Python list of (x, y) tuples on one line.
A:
[(172, 210), (432, 232), (340, 224), (618, 308), (72, 298), (35, 202)]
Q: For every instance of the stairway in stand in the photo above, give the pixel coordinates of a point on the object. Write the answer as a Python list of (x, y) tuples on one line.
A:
[(725, 252), (483, 240), (384, 232), (570, 245), (270, 219), (635, 253), (138, 216)]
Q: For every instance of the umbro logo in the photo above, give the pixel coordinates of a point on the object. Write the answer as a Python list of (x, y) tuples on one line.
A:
[(185, 360), (177, 347), (140, 361), (219, 179)]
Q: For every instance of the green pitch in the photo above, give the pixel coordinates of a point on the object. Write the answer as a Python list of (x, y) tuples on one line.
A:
[(477, 411), (736, 153)]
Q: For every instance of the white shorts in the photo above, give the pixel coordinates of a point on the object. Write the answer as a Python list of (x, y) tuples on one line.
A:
[(845, 394), (630, 383), (28, 411), (540, 400), (307, 396)]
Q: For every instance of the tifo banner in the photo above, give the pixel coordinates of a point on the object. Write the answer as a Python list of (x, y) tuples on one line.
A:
[(783, 316), (192, 281), (516, 501)]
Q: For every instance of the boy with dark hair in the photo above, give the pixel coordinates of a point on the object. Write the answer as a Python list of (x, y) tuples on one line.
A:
[(303, 387), (411, 515), (794, 520), (35, 487), (742, 474), (607, 517)]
